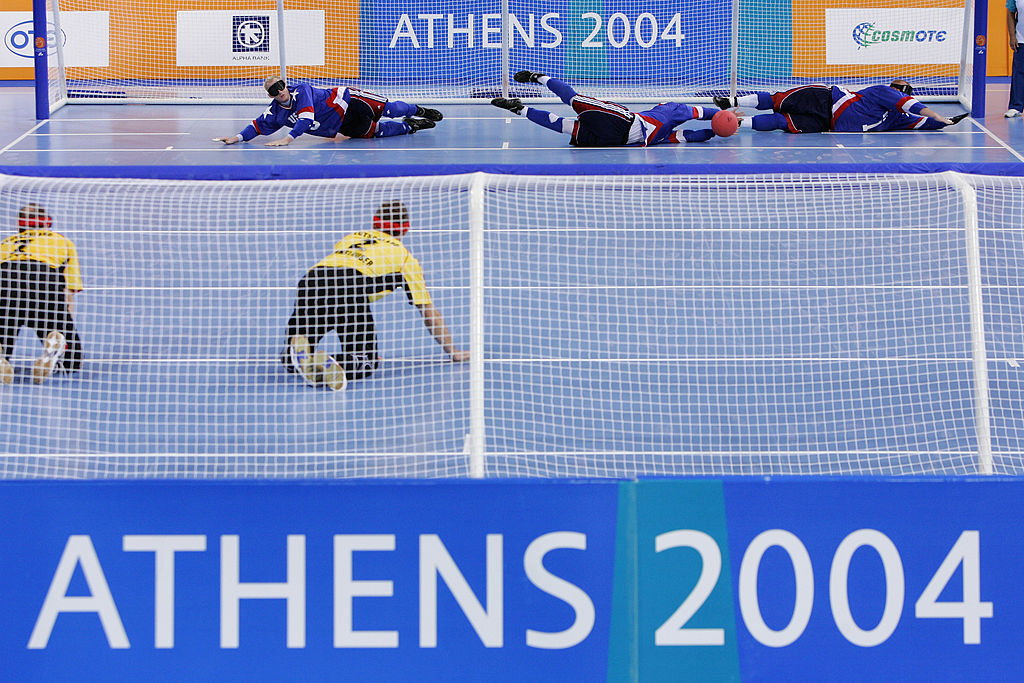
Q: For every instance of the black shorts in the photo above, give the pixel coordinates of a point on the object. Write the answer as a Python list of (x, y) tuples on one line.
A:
[(364, 110), (808, 109)]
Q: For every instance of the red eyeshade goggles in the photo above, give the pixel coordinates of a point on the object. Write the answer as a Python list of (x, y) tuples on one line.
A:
[(34, 223), (396, 228)]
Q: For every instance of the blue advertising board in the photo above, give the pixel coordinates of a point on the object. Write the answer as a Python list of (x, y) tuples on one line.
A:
[(659, 580), (584, 40)]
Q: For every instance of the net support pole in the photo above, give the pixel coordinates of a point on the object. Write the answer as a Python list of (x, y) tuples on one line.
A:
[(506, 47), (39, 59), (58, 39), (976, 49), (979, 356), (476, 325), (734, 49), (280, 40)]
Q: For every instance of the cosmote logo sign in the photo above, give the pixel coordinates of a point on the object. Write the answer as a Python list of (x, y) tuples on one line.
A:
[(867, 33), (19, 39)]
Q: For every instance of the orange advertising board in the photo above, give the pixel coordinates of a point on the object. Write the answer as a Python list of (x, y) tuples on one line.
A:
[(143, 39), (810, 53)]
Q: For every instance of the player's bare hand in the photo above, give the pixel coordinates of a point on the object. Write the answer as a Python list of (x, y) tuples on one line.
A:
[(280, 142), (228, 140), (460, 356)]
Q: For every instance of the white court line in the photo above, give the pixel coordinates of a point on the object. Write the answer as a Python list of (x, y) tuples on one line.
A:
[(549, 288), (998, 140), (624, 359), (108, 134), (22, 137), (404, 151)]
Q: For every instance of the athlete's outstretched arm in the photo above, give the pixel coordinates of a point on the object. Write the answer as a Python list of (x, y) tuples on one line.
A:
[(434, 321)]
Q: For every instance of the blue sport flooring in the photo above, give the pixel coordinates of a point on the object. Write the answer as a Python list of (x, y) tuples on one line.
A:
[(563, 398), (472, 137)]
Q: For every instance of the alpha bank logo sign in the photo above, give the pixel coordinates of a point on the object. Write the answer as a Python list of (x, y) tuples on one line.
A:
[(247, 37), (250, 34), (893, 36)]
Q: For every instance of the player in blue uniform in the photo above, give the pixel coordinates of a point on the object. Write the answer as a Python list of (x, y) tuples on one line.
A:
[(820, 108), (338, 113), (606, 124)]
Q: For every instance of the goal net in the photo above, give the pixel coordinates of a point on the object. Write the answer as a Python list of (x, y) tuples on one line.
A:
[(464, 50), (796, 324)]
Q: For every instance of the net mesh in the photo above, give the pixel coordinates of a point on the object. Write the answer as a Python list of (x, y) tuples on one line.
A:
[(221, 50), (632, 326)]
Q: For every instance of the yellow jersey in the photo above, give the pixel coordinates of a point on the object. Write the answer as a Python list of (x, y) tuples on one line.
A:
[(377, 254), (44, 246)]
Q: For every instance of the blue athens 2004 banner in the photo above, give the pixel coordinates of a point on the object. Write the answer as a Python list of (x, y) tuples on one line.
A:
[(433, 41), (661, 580)]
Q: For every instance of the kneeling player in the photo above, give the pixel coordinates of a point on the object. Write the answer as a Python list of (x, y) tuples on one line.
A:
[(606, 124), (336, 294), (38, 279)]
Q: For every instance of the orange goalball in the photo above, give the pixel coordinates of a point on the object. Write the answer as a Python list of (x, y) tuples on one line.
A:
[(724, 123)]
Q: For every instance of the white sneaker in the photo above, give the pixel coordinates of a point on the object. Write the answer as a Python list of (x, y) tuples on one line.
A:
[(334, 375), (6, 371), (1011, 113), (301, 358), (53, 351)]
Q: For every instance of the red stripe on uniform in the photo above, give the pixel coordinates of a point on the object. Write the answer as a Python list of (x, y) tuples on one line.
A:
[(780, 97), (581, 104), (842, 108), (333, 104)]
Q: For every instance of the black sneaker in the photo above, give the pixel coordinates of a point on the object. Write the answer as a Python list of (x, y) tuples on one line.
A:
[(725, 102), (958, 118), (527, 76), (514, 105), (430, 114), (418, 124)]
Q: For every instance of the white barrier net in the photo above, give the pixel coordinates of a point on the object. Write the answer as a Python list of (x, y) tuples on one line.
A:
[(630, 326)]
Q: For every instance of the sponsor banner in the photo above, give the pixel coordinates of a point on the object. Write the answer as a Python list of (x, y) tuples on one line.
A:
[(236, 38), (243, 582), (826, 49), (746, 579), (84, 38), (893, 36)]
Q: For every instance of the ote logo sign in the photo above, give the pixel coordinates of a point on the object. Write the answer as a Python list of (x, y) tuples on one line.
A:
[(19, 39), (250, 33)]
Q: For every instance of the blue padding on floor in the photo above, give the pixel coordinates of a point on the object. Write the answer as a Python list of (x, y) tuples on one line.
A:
[(269, 172)]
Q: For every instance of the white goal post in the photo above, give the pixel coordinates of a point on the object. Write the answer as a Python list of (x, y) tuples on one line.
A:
[(618, 326), (213, 51)]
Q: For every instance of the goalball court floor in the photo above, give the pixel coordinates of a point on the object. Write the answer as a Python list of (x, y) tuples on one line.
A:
[(140, 406)]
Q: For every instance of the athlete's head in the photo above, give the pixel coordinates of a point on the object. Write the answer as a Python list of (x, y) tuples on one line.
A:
[(392, 218), (32, 217), (277, 88), (902, 86)]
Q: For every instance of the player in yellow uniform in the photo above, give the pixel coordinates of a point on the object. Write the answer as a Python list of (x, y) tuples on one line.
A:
[(336, 294), (39, 277)]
